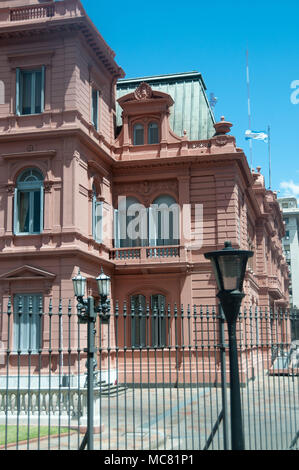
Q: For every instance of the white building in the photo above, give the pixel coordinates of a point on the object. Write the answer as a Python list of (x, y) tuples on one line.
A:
[(290, 212)]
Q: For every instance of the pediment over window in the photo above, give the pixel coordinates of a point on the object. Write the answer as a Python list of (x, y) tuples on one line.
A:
[(27, 273), (144, 94), (145, 121)]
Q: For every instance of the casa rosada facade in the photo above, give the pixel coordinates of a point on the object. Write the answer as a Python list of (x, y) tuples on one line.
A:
[(65, 170)]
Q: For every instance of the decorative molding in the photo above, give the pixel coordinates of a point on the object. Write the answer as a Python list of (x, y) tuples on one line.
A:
[(84, 191), (48, 186), (200, 145), (220, 141), (29, 155), (146, 189), (143, 92), (10, 188), (35, 274), (27, 59), (99, 168), (90, 194)]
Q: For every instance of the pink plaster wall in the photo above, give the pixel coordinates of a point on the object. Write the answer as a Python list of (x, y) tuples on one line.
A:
[(72, 156)]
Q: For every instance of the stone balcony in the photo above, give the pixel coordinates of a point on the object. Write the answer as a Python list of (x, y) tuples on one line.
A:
[(150, 256), (146, 254), (275, 287), (66, 8)]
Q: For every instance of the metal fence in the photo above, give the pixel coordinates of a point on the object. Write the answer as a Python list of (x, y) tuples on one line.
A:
[(160, 378)]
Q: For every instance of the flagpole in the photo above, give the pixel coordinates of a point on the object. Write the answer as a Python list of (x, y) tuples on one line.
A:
[(269, 152), (249, 107)]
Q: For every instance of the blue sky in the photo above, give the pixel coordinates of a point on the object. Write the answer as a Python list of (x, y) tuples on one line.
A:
[(153, 38)]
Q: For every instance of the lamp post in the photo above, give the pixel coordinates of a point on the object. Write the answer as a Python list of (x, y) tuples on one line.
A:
[(87, 314), (229, 267)]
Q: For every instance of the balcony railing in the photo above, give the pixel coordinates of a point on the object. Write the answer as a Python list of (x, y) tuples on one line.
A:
[(32, 12), (145, 253)]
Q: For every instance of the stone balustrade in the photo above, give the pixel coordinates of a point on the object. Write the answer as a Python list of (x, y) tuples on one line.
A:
[(145, 253), (63, 8), (32, 12), (57, 402)]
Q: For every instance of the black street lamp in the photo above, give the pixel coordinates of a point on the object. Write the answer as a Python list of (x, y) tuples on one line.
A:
[(104, 282), (87, 314), (229, 267)]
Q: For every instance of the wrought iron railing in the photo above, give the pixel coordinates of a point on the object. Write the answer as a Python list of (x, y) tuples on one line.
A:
[(160, 378)]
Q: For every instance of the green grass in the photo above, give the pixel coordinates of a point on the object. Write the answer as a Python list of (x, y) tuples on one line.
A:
[(25, 433)]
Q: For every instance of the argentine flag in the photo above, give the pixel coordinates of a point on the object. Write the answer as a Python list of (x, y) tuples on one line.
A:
[(257, 135)]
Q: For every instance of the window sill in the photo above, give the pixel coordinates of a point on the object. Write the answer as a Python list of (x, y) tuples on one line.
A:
[(25, 234), (29, 115)]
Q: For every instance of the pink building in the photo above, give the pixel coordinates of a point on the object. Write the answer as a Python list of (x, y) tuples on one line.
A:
[(64, 168)]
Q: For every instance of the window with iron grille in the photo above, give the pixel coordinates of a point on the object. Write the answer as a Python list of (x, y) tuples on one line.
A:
[(148, 324), (27, 323)]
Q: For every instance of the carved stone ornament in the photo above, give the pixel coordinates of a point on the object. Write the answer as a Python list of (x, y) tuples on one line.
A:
[(48, 186), (200, 145), (220, 141), (10, 188), (143, 92), (147, 188)]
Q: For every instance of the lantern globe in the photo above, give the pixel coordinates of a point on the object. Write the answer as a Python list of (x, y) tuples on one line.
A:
[(103, 282), (229, 265), (79, 284)]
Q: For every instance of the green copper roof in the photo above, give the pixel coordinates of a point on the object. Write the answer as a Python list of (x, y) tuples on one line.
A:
[(191, 110)]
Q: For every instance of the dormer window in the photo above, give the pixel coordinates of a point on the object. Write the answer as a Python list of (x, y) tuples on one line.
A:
[(145, 121), (138, 134), (148, 134), (153, 133)]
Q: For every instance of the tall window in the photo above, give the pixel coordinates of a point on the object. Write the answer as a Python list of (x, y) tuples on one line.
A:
[(130, 224), (28, 203), (95, 108), (138, 321), (30, 85), (97, 218), (153, 133), (27, 322), (138, 134), (164, 223), (148, 330), (158, 320)]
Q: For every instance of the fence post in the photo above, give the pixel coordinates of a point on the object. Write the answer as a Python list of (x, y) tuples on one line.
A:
[(223, 377), (90, 318)]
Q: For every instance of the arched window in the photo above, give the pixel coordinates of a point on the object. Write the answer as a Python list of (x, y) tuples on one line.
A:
[(29, 203), (130, 223), (138, 134), (164, 221), (153, 133)]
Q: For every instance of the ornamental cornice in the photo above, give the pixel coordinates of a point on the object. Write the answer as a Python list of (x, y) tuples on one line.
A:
[(18, 59), (175, 161), (146, 189), (29, 155)]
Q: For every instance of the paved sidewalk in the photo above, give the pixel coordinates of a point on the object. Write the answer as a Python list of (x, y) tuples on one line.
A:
[(173, 419)]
